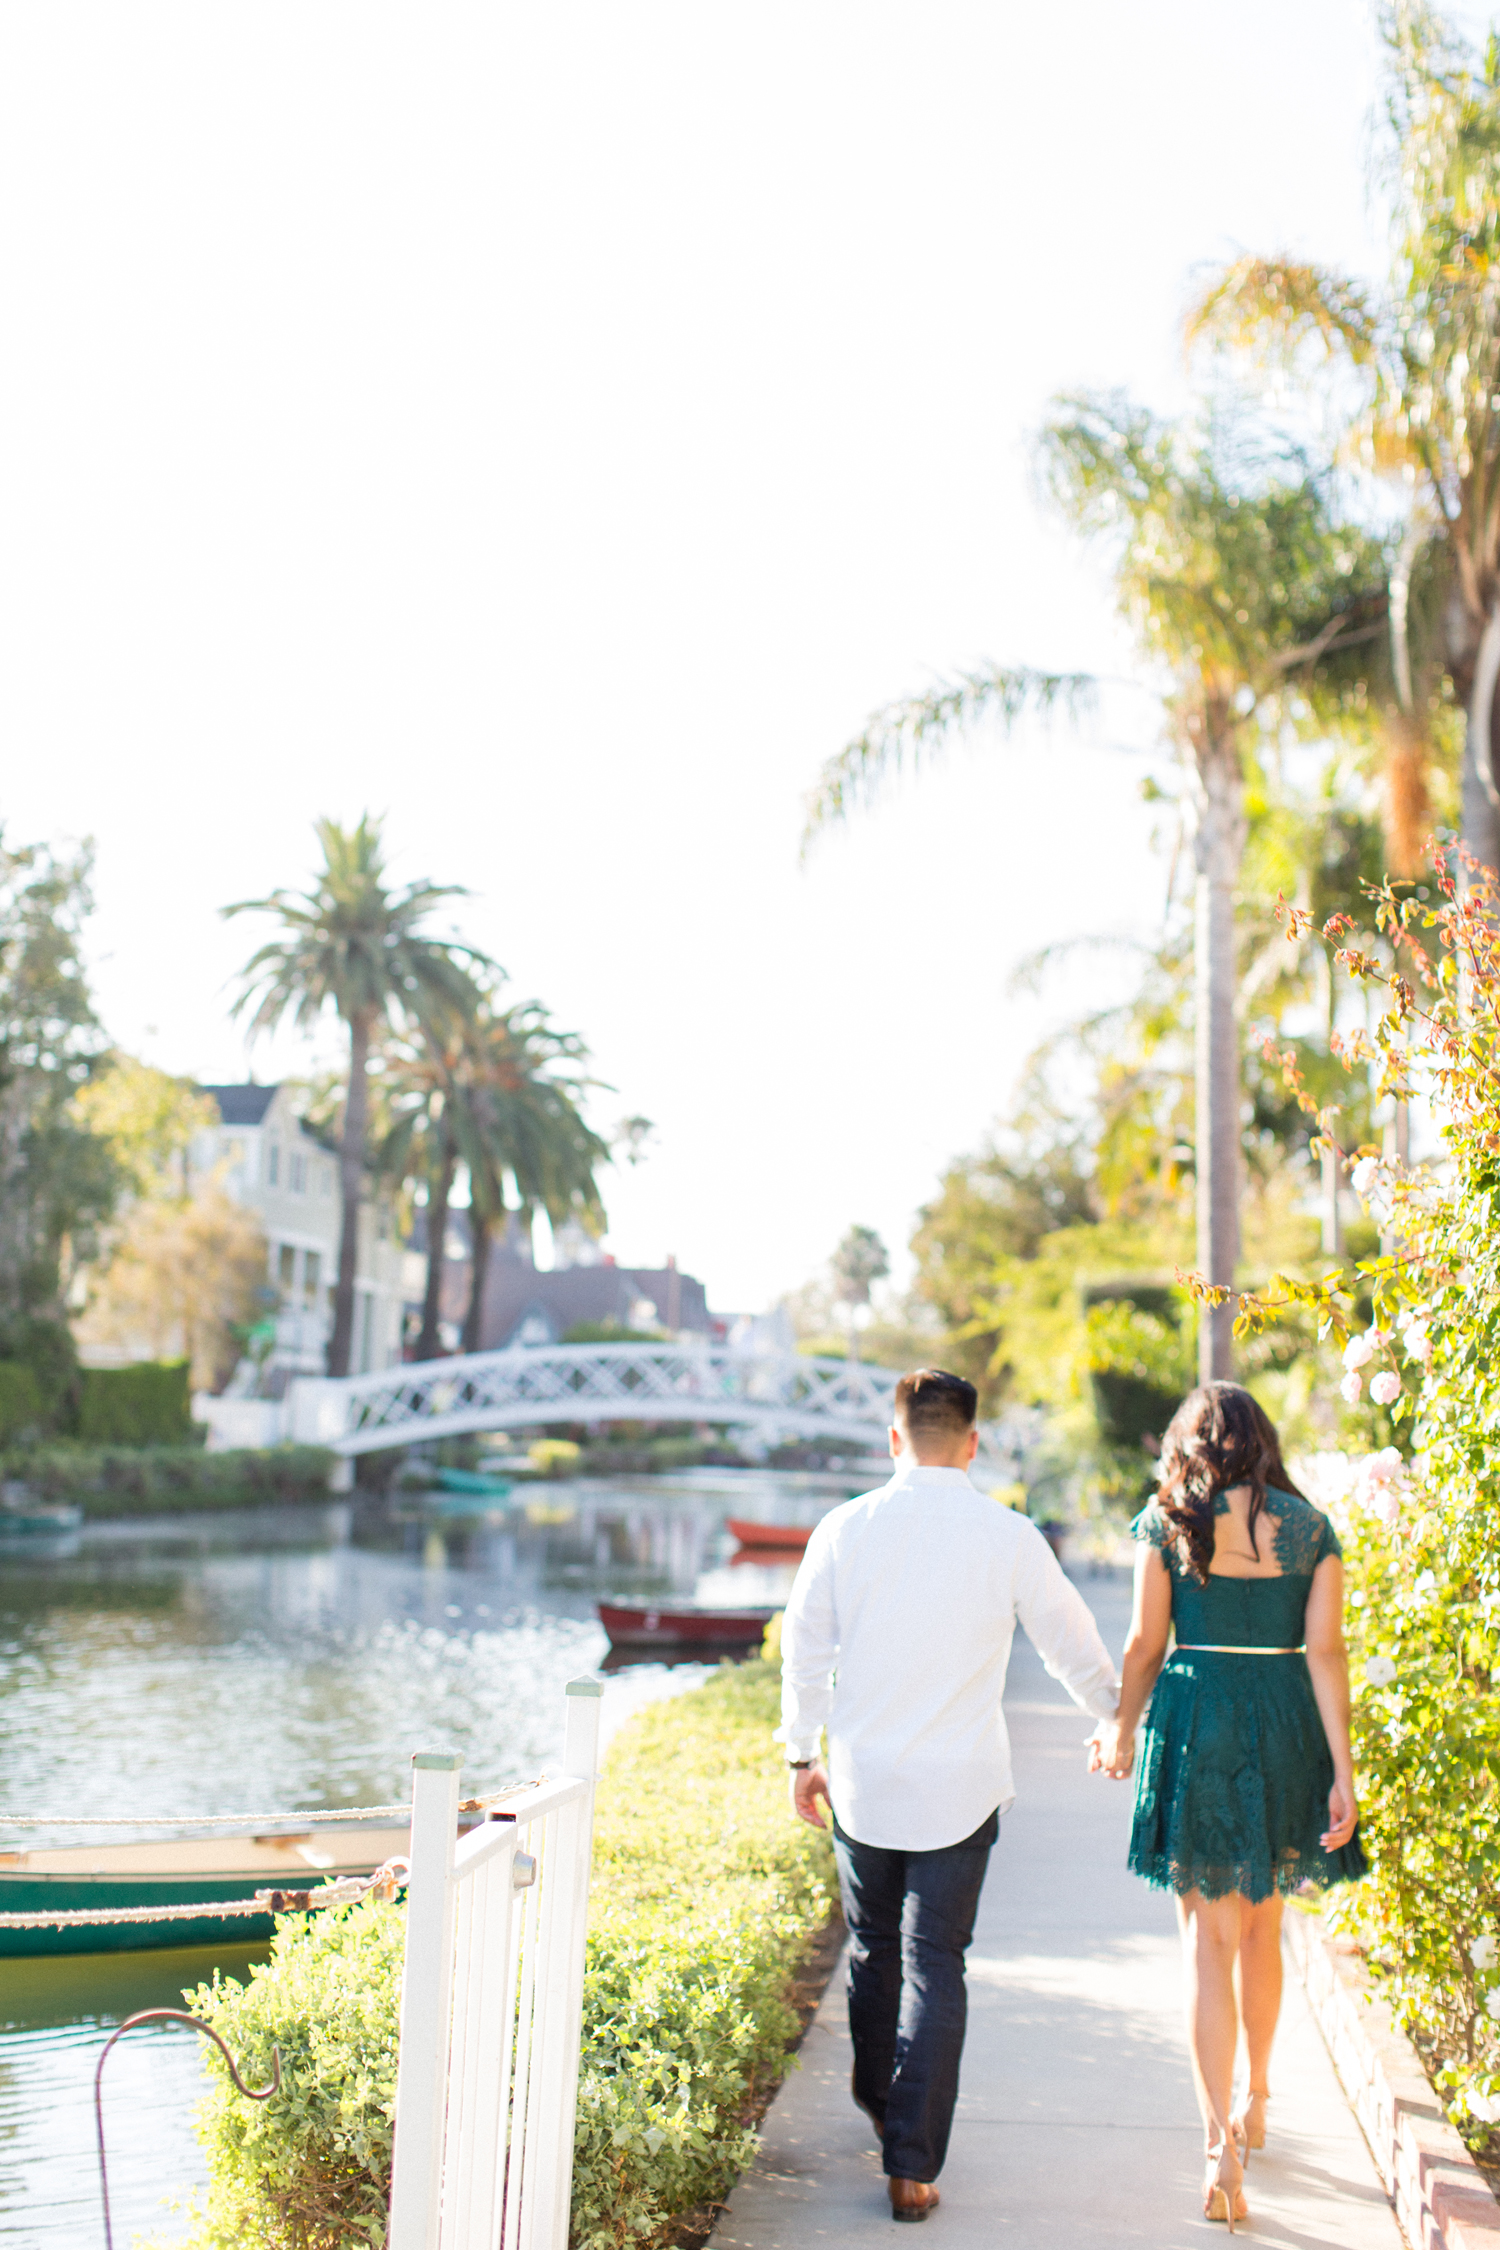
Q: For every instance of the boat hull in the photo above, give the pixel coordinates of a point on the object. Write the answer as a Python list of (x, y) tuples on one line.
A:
[(94, 1878), (683, 1628), (783, 1538)]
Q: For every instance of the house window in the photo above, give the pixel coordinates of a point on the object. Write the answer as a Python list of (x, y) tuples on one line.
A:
[(286, 1269), (299, 1172), (311, 1273), (273, 1163)]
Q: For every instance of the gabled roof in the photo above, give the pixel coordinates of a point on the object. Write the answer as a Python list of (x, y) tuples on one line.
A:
[(241, 1105)]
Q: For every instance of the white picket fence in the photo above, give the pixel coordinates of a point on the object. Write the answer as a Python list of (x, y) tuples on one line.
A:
[(492, 2005)]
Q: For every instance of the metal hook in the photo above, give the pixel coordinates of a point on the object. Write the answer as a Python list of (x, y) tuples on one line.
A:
[(167, 2015)]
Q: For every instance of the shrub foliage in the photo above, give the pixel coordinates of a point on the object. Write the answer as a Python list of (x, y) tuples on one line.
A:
[(1422, 1517)]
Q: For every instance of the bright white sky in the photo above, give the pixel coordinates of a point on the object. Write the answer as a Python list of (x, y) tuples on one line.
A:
[(555, 429)]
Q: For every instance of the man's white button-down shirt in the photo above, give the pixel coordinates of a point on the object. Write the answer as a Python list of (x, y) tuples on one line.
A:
[(896, 1639)]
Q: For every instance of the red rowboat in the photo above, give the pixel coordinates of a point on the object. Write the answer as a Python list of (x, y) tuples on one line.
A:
[(673, 1628), (787, 1538)]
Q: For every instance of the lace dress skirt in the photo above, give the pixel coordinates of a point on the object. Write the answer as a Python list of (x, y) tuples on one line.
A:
[(1234, 1767)]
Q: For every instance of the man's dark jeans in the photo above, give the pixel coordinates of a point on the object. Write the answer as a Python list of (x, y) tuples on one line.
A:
[(910, 1917)]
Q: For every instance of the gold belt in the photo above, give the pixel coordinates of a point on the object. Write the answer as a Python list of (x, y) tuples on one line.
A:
[(1229, 1648)]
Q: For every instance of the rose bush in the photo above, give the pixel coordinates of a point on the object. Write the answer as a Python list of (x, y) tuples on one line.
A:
[(1421, 1519)]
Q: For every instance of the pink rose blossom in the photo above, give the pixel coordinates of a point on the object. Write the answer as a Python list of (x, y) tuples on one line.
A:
[(1350, 1388), (1357, 1352), (1385, 1388)]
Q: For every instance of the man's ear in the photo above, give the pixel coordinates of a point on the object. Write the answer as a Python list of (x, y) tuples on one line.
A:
[(973, 1443), (893, 1436)]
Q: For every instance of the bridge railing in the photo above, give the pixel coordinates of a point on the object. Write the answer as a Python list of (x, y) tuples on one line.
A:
[(773, 1393)]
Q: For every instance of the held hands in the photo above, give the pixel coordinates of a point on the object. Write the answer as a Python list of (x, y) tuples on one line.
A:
[(1342, 1814), (1111, 1750), (807, 1787)]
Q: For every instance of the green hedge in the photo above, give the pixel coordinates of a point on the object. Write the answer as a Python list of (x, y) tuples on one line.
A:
[(167, 1479), (148, 1404), (20, 1400), (706, 1898)]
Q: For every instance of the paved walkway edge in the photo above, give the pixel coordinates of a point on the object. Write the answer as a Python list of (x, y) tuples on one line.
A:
[(1442, 2198)]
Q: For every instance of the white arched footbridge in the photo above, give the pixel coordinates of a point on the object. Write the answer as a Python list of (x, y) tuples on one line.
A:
[(774, 1395)]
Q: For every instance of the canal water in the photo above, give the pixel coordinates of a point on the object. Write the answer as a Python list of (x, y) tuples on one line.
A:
[(269, 1660)]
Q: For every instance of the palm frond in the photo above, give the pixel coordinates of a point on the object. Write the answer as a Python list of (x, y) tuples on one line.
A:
[(909, 732), (1271, 307)]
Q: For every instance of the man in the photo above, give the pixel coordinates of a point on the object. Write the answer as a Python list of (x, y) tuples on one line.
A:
[(896, 1638)]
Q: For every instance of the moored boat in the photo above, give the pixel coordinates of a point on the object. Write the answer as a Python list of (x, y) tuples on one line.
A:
[(786, 1538), (666, 1627), (185, 1872), (473, 1483)]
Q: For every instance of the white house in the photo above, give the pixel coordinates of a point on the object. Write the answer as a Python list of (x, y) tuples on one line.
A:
[(267, 1160)]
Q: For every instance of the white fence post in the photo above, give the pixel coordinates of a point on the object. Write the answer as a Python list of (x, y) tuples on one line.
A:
[(426, 2004), (492, 2005), (560, 2007)]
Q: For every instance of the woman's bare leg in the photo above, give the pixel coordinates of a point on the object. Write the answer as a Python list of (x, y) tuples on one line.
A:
[(1260, 1989), (1210, 1949)]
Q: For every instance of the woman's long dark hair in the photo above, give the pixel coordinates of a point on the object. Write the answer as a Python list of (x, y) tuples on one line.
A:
[(1219, 1437)]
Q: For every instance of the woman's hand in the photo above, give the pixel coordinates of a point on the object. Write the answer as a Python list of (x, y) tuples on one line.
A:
[(1343, 1812), (1111, 1750)]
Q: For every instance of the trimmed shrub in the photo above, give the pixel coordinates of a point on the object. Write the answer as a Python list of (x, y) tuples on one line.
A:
[(168, 1479), (148, 1404), (705, 1901), (20, 1399), (310, 2169)]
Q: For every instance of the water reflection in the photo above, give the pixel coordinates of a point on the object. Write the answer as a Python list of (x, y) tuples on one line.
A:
[(274, 1658)]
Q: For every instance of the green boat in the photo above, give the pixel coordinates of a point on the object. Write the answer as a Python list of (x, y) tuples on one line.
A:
[(194, 1872), (472, 1481)]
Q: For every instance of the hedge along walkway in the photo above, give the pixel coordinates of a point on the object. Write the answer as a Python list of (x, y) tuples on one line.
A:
[(1076, 2120)]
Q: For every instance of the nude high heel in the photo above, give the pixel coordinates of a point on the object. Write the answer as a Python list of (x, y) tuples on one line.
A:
[(1249, 2128), (1219, 2201)]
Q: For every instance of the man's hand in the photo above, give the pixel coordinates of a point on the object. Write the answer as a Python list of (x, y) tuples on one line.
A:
[(809, 1783), (1110, 1751)]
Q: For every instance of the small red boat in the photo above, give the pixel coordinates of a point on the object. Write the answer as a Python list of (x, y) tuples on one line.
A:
[(786, 1538), (676, 1628)]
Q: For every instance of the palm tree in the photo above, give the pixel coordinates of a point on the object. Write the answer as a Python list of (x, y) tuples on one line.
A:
[(497, 1091), (1422, 363), (856, 1265), (521, 1116), (353, 945), (1259, 611)]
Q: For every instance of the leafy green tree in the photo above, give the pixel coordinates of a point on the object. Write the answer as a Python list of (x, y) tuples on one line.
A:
[(58, 1180), (355, 946), (1420, 363), (1261, 612)]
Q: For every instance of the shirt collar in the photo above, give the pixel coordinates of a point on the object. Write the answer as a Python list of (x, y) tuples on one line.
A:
[(914, 1472)]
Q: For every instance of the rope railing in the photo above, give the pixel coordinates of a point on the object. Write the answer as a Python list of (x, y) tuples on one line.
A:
[(348, 1891)]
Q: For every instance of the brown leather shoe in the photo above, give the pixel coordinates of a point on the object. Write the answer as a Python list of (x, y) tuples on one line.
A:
[(911, 2200)]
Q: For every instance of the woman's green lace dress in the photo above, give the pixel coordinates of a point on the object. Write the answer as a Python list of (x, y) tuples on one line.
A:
[(1235, 1769)]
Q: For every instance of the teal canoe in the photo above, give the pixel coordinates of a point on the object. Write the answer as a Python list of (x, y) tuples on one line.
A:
[(194, 1872), (472, 1482)]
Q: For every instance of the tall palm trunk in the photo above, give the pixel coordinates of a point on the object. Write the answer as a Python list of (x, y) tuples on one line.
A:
[(439, 1191), (1218, 845), (479, 1257), (351, 1187), (1481, 796)]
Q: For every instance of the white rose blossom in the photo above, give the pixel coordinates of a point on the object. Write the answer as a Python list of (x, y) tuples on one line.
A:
[(1350, 1388), (1485, 1951), (1385, 1388), (1486, 2107), (1380, 1671), (1492, 2002), (1359, 1351)]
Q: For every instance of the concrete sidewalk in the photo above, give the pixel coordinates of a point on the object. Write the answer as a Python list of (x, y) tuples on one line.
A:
[(1076, 2120)]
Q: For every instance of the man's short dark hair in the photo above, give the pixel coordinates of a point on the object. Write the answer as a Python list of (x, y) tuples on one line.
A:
[(932, 1403)]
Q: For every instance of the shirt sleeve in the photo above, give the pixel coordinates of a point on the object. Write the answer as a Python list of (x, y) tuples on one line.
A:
[(1061, 1628), (809, 1651), (1328, 1543)]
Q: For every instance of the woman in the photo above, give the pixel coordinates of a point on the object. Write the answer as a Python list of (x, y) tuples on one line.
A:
[(1246, 1786)]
